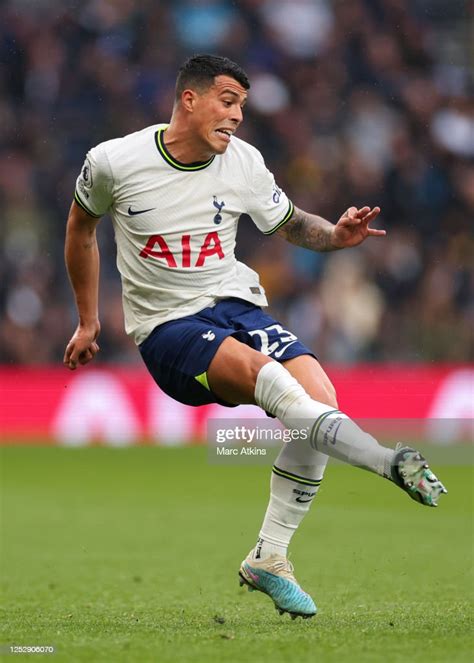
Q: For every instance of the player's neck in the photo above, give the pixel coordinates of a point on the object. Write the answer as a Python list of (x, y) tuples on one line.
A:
[(183, 147)]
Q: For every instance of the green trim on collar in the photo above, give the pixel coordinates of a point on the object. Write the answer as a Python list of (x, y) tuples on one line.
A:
[(187, 167)]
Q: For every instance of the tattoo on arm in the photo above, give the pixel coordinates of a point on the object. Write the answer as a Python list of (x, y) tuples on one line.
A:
[(309, 231)]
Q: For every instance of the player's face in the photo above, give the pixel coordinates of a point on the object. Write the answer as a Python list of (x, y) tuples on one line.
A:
[(218, 113)]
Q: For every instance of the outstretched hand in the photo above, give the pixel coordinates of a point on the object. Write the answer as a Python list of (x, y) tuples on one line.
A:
[(83, 346), (353, 227)]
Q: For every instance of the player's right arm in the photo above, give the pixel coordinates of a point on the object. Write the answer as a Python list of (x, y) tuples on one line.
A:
[(82, 263)]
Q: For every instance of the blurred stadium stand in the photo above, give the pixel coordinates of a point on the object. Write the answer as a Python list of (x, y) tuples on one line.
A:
[(360, 102)]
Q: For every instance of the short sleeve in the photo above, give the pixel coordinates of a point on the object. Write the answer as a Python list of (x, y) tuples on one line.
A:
[(95, 183), (267, 204)]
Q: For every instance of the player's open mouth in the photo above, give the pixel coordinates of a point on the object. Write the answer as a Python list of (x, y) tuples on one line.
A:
[(225, 134)]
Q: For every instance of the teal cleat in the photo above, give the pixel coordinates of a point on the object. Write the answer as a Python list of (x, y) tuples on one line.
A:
[(411, 472), (274, 576)]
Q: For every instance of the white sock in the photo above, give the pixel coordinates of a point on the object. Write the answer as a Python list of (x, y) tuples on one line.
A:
[(295, 481), (329, 431)]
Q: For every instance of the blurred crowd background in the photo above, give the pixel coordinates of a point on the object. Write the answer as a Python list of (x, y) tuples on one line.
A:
[(352, 102)]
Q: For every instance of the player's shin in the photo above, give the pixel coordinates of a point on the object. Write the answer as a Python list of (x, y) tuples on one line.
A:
[(328, 430), (295, 481)]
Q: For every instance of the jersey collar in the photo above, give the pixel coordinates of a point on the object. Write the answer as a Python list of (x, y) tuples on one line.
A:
[(160, 144)]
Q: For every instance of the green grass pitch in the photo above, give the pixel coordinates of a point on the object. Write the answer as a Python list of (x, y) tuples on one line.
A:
[(132, 555)]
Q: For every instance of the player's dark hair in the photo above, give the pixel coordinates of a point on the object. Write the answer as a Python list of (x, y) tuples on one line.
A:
[(199, 72)]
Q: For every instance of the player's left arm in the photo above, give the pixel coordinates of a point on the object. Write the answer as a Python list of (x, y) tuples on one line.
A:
[(313, 232), (82, 263)]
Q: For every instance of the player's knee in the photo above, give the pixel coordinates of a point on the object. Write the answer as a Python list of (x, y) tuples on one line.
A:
[(254, 364), (232, 374)]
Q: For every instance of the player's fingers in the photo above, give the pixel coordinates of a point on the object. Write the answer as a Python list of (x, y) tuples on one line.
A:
[(362, 212), (376, 233), (74, 355), (371, 214), (85, 357), (94, 348), (72, 363), (66, 355), (350, 218), (68, 359)]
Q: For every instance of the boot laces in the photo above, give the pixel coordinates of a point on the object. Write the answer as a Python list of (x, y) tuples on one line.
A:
[(283, 567)]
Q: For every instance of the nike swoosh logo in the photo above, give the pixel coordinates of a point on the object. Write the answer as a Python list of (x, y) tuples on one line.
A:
[(132, 212), (285, 347), (298, 499)]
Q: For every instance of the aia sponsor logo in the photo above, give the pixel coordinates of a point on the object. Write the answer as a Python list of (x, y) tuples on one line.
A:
[(158, 248)]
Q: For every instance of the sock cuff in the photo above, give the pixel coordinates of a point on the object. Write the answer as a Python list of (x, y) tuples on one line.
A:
[(285, 474), (276, 389), (266, 377), (278, 392)]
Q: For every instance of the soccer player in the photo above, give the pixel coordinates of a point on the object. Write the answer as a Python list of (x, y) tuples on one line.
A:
[(175, 193)]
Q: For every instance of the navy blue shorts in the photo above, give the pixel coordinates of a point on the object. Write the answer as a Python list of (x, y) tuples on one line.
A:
[(178, 353)]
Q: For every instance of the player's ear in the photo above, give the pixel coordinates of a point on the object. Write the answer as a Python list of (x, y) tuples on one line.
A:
[(188, 100)]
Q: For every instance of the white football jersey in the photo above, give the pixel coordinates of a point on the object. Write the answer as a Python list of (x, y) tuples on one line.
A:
[(175, 224)]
